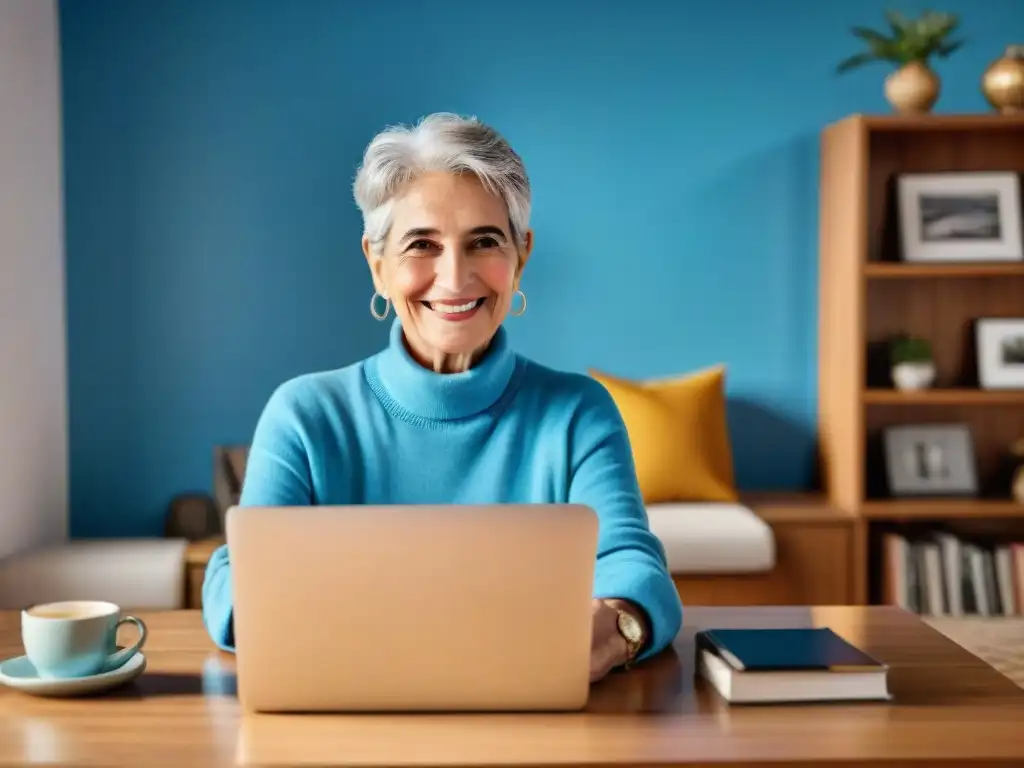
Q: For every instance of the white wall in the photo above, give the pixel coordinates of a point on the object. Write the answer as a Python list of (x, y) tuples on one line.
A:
[(33, 371)]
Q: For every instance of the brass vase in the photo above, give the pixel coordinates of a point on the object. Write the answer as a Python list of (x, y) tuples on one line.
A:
[(913, 89), (1017, 485), (1003, 81), (1017, 476)]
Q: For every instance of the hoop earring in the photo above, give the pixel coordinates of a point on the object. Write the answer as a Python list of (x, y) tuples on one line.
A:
[(521, 309), (373, 306)]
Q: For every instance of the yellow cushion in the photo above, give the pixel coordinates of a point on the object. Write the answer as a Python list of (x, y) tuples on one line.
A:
[(678, 431)]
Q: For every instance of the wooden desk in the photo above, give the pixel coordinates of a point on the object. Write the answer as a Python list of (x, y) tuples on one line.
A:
[(951, 710)]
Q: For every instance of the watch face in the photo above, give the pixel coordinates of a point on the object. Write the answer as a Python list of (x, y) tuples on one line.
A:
[(630, 627)]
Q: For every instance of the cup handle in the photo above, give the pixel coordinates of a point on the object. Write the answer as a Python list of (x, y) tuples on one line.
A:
[(119, 659)]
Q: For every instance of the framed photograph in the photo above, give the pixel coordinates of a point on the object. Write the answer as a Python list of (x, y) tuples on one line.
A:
[(930, 460), (960, 217), (1000, 343)]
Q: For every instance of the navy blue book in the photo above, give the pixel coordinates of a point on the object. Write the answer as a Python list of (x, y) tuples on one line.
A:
[(788, 665)]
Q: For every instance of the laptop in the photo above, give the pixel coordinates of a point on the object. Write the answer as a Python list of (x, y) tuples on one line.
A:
[(413, 608)]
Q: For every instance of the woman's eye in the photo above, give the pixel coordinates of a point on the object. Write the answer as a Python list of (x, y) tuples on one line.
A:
[(420, 245), (485, 242)]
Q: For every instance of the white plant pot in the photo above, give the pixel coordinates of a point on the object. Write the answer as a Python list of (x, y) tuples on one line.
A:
[(912, 376)]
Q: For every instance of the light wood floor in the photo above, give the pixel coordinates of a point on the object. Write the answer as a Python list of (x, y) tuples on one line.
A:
[(997, 641)]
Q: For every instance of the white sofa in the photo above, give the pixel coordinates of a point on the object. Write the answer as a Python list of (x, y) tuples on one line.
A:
[(712, 538), (140, 574), (150, 573)]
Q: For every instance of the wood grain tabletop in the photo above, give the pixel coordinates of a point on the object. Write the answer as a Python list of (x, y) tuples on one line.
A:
[(949, 709)]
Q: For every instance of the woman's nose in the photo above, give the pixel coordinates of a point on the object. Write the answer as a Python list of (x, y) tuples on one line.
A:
[(453, 269)]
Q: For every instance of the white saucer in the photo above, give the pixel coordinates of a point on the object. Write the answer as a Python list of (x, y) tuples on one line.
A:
[(20, 674)]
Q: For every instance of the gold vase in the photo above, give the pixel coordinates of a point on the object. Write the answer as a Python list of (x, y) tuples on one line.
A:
[(1003, 81), (913, 89), (1017, 478), (1017, 485)]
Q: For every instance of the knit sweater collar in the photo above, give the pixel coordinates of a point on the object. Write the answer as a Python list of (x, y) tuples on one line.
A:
[(430, 395)]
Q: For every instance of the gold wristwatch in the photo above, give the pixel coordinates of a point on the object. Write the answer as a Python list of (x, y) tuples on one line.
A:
[(633, 632)]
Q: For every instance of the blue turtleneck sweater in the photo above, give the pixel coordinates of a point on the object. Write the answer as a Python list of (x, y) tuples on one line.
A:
[(388, 431)]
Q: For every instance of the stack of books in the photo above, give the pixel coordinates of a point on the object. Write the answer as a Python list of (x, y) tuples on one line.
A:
[(775, 666), (940, 573)]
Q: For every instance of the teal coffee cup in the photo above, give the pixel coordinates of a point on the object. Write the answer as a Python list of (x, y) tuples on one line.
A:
[(76, 638)]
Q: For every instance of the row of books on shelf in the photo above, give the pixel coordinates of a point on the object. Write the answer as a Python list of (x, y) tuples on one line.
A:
[(941, 573)]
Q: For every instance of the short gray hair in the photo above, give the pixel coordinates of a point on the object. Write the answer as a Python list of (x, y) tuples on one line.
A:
[(440, 142)]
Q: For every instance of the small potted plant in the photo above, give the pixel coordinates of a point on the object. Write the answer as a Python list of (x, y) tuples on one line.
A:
[(914, 87), (912, 364)]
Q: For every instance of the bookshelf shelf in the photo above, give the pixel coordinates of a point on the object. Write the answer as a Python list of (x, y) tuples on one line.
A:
[(898, 271), (941, 509), (918, 124), (867, 296), (933, 397)]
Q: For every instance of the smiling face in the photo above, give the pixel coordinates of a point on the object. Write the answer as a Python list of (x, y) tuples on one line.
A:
[(449, 266)]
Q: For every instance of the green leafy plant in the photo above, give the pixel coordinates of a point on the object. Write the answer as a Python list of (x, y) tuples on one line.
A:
[(911, 40), (910, 349)]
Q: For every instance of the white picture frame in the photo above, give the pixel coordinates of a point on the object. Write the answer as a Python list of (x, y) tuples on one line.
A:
[(930, 460), (960, 217), (1000, 346)]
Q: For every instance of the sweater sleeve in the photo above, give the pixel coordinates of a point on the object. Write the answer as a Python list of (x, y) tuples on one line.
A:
[(631, 561), (276, 474)]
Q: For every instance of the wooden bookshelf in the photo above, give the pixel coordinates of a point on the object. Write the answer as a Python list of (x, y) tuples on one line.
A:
[(867, 295)]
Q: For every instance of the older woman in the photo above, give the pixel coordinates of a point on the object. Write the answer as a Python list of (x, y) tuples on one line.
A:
[(447, 412)]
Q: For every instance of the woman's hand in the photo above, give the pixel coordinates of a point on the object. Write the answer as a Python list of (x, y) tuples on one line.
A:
[(608, 648)]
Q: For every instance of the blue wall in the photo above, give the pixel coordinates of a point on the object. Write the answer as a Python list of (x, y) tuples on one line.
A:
[(213, 245)]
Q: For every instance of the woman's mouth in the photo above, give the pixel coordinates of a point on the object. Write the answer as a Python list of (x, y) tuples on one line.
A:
[(460, 310)]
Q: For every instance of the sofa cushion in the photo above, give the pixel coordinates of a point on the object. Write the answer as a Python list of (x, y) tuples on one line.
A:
[(139, 574), (678, 433), (706, 538)]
